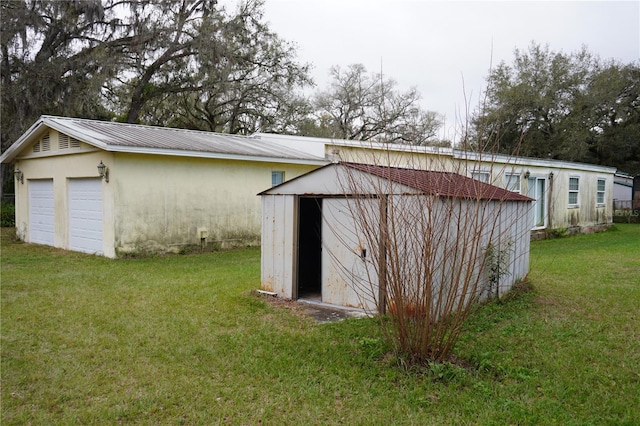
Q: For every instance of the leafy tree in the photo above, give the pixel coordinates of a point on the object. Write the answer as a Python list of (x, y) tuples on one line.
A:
[(55, 59), (186, 63), (244, 79), (204, 68), (613, 103), (563, 106), (367, 107)]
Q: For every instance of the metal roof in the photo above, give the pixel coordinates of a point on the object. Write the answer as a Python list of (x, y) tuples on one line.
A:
[(124, 137), (444, 184)]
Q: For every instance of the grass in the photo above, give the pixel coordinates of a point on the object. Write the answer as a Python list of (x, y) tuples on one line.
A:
[(181, 340)]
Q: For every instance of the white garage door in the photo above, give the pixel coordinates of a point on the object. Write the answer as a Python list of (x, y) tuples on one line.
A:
[(85, 215), (41, 211)]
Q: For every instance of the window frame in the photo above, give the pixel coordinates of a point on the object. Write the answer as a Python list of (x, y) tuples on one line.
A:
[(575, 191), (277, 177), (508, 179), (478, 173), (601, 193)]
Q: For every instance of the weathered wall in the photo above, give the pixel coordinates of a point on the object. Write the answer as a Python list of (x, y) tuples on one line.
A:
[(438, 160), (587, 214), (153, 203), (163, 202), (348, 275)]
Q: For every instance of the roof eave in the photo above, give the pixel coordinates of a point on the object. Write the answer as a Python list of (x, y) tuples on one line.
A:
[(46, 121), (12, 152), (529, 161)]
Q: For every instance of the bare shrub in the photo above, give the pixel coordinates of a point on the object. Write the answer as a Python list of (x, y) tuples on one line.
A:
[(439, 242)]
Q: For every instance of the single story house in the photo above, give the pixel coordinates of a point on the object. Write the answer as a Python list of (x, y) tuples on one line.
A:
[(113, 188), (348, 234), (576, 197)]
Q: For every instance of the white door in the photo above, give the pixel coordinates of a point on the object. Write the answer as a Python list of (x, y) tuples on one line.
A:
[(85, 215), (41, 211), (537, 190)]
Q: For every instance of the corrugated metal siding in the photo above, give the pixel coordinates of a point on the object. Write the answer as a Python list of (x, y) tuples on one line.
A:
[(348, 278), (277, 254)]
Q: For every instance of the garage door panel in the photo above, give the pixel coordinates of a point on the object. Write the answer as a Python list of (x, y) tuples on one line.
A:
[(85, 215), (41, 212)]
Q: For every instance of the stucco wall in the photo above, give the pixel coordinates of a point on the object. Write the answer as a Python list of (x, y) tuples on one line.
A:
[(163, 202)]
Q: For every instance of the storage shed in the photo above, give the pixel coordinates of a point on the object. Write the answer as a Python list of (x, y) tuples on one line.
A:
[(338, 234)]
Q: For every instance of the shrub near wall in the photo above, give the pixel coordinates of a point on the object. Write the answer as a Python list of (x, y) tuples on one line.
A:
[(7, 214)]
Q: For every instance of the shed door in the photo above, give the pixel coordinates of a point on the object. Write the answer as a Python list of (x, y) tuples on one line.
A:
[(41, 211), (85, 215), (348, 275)]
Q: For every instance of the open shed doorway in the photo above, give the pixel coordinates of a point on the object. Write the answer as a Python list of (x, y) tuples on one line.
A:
[(310, 248)]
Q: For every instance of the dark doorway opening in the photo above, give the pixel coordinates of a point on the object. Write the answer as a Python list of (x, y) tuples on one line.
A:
[(310, 249)]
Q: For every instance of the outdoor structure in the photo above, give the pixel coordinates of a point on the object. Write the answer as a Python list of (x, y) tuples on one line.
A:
[(328, 235), (574, 197), (112, 188), (622, 191)]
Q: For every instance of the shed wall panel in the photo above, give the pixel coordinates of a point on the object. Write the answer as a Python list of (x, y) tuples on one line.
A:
[(277, 254), (348, 277)]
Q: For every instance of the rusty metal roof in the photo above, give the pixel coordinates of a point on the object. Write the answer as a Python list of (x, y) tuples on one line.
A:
[(445, 184)]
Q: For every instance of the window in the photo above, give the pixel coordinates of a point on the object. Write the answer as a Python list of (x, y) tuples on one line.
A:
[(574, 189), (480, 175), (277, 178), (601, 189), (512, 182)]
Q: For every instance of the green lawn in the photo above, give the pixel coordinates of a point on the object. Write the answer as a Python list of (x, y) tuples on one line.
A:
[(181, 340)]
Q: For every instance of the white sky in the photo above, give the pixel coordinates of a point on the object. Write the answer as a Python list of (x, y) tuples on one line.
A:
[(435, 45)]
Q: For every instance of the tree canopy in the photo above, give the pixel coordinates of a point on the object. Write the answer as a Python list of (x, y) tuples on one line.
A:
[(187, 63), (572, 107), (368, 107)]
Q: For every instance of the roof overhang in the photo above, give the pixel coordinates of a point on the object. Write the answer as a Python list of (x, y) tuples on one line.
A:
[(480, 157)]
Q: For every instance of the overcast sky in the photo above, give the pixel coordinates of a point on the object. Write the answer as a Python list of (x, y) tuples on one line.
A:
[(436, 45)]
